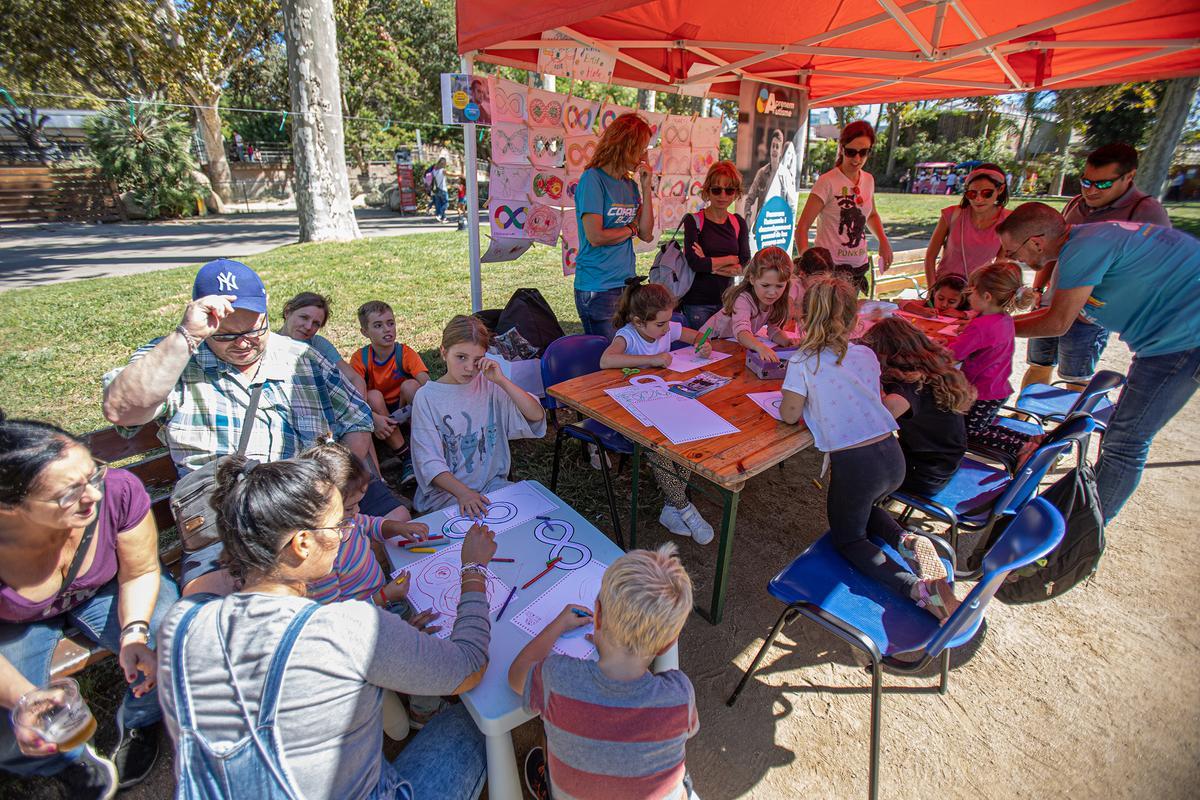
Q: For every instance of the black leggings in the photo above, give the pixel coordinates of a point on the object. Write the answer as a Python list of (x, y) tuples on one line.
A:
[(859, 478)]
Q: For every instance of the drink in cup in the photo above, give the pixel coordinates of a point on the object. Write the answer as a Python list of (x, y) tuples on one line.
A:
[(57, 713)]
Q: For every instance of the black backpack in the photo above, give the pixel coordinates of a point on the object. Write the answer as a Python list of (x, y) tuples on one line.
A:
[(531, 315), (1077, 557)]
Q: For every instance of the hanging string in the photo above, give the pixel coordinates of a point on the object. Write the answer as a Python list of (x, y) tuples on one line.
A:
[(8, 97), (283, 122)]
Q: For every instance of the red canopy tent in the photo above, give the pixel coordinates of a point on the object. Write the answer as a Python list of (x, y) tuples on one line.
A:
[(843, 52)]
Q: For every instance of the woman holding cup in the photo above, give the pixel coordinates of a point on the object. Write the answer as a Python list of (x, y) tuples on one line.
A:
[(78, 547)]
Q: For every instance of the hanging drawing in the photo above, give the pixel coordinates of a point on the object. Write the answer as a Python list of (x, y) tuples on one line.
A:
[(570, 243), (579, 115), (646, 247), (508, 217), (544, 109), (508, 100), (672, 210), (610, 111), (505, 249), (706, 132), (510, 143), (677, 131), (702, 159), (544, 224), (546, 147), (655, 120), (549, 186), (572, 186), (509, 182), (579, 151), (654, 157), (674, 187), (694, 201), (677, 160)]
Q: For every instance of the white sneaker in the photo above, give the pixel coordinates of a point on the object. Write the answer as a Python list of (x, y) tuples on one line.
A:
[(702, 532), (595, 456), (671, 518)]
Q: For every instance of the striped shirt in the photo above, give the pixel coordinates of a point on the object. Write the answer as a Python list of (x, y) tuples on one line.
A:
[(356, 574), (607, 738), (304, 398)]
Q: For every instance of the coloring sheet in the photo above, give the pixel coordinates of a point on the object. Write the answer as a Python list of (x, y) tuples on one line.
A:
[(510, 143), (544, 224), (610, 111), (570, 244), (505, 249), (674, 186), (677, 131), (579, 151), (706, 132), (508, 217), (508, 100), (546, 147), (671, 211), (768, 402), (549, 186), (685, 359), (640, 389), (508, 507), (579, 115), (509, 182), (684, 420), (702, 159), (572, 186), (654, 157), (655, 120), (648, 247), (544, 109), (435, 584), (577, 587), (677, 160), (694, 201)]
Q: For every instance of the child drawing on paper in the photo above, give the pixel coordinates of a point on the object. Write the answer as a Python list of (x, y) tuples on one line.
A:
[(457, 459), (760, 299)]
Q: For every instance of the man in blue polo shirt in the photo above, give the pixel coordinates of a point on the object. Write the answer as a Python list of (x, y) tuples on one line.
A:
[(1139, 280)]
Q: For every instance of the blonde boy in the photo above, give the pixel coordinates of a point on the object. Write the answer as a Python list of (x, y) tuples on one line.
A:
[(613, 728), (393, 371)]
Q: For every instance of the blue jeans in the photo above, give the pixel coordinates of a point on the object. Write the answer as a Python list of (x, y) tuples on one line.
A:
[(440, 201), (596, 311), (1156, 389), (445, 760), (29, 647), (696, 316), (1076, 352)]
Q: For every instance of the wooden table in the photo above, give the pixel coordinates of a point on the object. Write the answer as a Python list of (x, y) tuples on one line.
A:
[(726, 462)]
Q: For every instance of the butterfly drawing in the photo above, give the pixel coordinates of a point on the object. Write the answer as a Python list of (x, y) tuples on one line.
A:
[(508, 181), (510, 143)]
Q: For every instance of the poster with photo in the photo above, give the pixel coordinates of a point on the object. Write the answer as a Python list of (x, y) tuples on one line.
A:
[(770, 155)]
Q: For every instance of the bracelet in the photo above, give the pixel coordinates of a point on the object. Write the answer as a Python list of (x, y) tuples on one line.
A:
[(136, 628), (192, 342), (478, 569)]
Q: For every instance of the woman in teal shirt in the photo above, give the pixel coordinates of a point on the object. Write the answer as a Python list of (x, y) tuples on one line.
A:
[(610, 212)]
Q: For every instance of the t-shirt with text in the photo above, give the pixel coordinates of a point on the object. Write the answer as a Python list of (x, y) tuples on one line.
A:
[(616, 201), (842, 223)]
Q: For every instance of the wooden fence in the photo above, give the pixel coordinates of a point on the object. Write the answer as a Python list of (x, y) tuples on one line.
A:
[(35, 192)]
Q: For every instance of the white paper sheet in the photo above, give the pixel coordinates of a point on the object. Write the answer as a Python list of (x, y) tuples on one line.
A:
[(683, 420), (578, 587), (508, 508), (686, 360), (434, 583), (768, 402), (934, 318), (630, 396)]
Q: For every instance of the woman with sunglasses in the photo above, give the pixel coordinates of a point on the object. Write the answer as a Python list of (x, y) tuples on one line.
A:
[(716, 243), (965, 236), (269, 654), (78, 548), (842, 203)]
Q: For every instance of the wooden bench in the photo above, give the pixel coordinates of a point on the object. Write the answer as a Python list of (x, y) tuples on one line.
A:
[(907, 272)]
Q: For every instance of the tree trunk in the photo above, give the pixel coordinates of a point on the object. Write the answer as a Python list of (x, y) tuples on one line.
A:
[(209, 119), (893, 137), (1173, 111), (646, 99), (318, 155), (1067, 126)]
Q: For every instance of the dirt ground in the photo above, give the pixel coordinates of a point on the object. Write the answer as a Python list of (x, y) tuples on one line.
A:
[(1093, 694)]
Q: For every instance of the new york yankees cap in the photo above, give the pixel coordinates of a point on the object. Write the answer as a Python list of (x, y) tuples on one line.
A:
[(228, 277)]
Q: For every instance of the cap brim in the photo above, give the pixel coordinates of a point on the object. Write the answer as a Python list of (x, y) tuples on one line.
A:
[(256, 304)]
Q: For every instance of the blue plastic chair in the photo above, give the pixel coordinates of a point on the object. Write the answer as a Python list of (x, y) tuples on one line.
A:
[(822, 586), (980, 495), (570, 357), (1040, 404)]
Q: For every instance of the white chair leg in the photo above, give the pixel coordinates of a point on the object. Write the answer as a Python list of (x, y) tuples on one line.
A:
[(504, 780)]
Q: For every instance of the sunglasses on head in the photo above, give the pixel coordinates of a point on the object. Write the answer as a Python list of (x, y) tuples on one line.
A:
[(986, 194), (852, 153), (1107, 184), (722, 190)]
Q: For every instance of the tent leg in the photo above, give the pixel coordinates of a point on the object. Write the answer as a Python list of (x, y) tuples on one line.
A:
[(472, 180)]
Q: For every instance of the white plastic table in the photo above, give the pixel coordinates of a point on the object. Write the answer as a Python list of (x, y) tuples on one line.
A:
[(495, 708)]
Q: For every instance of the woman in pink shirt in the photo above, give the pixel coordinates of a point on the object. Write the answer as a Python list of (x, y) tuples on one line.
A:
[(967, 231), (985, 348)]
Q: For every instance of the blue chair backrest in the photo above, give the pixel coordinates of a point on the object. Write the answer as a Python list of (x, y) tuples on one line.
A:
[(1025, 483), (1035, 532), (569, 357), (1096, 390)]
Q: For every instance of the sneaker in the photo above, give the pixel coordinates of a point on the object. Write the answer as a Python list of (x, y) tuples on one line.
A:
[(92, 777), (536, 780), (136, 753), (702, 532), (671, 519), (594, 455), (407, 475)]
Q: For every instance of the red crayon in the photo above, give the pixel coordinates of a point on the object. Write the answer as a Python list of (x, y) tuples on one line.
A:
[(541, 574), (504, 560)]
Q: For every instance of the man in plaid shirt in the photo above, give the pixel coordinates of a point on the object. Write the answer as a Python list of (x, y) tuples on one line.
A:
[(198, 379)]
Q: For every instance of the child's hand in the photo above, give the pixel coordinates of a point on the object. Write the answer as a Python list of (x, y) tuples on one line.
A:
[(704, 350), (411, 531), (662, 360), (384, 426), (397, 590), (766, 354), (568, 620), (472, 504), (479, 545), (491, 370)]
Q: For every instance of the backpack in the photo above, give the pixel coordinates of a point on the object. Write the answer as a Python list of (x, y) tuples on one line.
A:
[(670, 267), (531, 315), (1077, 557), (428, 178)]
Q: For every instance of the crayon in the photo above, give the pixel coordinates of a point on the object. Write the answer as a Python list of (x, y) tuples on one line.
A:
[(580, 613), (427, 545), (508, 600), (504, 560), (547, 519), (422, 550), (550, 565)]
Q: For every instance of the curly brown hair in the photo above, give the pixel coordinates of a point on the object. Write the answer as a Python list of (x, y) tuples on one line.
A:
[(907, 355)]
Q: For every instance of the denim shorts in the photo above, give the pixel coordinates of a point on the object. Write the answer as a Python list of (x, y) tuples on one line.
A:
[(1076, 352)]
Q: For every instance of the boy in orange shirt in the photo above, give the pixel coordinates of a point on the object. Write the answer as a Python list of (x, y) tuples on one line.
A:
[(393, 372)]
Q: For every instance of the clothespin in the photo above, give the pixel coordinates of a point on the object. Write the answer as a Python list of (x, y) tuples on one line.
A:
[(132, 112), (387, 124), (283, 121), (7, 97)]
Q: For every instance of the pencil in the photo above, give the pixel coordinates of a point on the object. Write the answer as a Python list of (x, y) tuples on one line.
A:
[(549, 566), (507, 600), (504, 560)]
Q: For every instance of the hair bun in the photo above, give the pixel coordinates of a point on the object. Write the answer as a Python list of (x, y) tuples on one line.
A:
[(635, 280)]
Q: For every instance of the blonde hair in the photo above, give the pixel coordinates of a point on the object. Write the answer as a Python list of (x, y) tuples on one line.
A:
[(645, 598), (642, 301), (1003, 281), (765, 260), (726, 170), (625, 139), (831, 312), (465, 330)]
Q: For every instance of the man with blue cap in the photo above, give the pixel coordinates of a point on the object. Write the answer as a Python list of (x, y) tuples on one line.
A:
[(199, 379)]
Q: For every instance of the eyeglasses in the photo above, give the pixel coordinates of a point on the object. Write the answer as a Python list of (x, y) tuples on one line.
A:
[(852, 153), (233, 337), (729, 190), (71, 496), (342, 530), (1107, 184), (986, 194), (1013, 253)]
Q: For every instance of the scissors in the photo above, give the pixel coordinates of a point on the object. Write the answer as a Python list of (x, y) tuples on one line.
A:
[(627, 371)]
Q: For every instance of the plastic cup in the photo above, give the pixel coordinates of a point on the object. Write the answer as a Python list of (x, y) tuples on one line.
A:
[(57, 713)]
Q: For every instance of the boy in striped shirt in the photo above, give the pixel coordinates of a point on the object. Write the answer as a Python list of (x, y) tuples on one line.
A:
[(613, 728)]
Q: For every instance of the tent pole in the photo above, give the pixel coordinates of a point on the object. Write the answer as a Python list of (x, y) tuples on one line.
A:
[(472, 170)]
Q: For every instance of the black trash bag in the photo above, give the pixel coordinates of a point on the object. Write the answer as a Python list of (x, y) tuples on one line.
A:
[(531, 315)]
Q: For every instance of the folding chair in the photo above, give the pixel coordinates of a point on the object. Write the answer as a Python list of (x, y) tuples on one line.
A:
[(566, 358), (1040, 403), (822, 586)]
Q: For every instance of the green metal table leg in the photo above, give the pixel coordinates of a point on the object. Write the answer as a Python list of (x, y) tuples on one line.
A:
[(633, 495), (724, 554)]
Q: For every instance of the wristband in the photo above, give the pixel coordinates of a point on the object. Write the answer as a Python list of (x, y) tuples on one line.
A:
[(136, 628), (478, 569), (192, 342)]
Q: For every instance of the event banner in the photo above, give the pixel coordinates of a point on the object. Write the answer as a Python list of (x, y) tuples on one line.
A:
[(772, 128)]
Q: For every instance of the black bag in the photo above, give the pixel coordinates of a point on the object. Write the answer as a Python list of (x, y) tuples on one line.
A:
[(1077, 557), (529, 313), (195, 520)]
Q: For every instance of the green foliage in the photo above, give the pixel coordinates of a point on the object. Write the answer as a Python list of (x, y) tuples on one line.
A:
[(1125, 115), (260, 82), (726, 149), (148, 155)]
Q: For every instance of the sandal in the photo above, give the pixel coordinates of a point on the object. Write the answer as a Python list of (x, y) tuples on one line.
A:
[(922, 557), (931, 601)]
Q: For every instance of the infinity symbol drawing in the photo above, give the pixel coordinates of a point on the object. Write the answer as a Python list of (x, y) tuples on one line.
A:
[(579, 154), (579, 118), (544, 533), (515, 217)]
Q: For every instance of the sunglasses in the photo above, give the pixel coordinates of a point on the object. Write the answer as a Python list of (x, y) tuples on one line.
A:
[(852, 153), (986, 194), (233, 337), (71, 496), (1108, 184), (729, 190)]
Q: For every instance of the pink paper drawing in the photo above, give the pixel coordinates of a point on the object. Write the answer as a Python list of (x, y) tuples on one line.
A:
[(509, 182), (677, 131), (671, 211), (546, 147), (654, 157), (645, 247), (570, 243), (702, 159), (549, 186), (544, 109), (674, 187), (677, 161), (505, 249), (568, 200), (706, 132), (508, 100), (610, 111), (436, 586), (579, 115), (544, 224), (510, 143), (508, 217), (579, 151), (655, 120)]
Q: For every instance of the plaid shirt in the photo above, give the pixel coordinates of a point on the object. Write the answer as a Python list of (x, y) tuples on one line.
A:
[(304, 397)]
